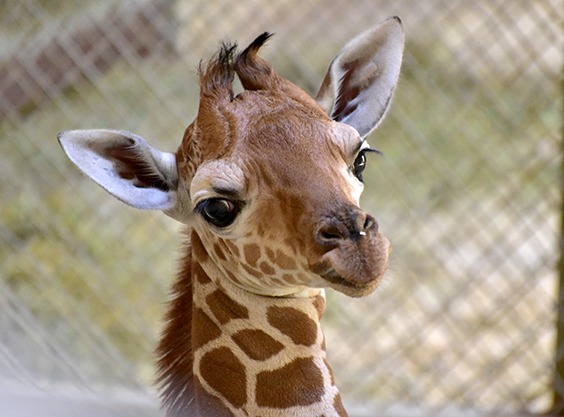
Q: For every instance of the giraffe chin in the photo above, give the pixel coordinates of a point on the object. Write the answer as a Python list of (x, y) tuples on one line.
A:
[(355, 268)]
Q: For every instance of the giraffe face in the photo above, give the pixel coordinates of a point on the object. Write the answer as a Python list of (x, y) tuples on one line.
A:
[(269, 179), (278, 211)]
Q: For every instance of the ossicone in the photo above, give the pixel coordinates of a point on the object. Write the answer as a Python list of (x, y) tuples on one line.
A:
[(254, 72), (216, 77)]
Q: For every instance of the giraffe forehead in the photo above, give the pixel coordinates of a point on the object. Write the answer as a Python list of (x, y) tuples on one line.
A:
[(266, 132), (306, 164), (217, 176), (291, 135), (279, 162)]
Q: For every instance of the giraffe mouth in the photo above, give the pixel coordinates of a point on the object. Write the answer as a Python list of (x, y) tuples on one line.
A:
[(355, 268), (358, 284), (349, 287), (333, 277)]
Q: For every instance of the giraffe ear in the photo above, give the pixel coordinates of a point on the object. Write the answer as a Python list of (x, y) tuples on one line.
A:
[(125, 166), (360, 81)]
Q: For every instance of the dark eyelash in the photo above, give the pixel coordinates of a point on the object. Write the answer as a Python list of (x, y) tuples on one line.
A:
[(372, 150)]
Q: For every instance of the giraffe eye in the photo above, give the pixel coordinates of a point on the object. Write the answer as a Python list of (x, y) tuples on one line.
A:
[(218, 211), (360, 162), (359, 165)]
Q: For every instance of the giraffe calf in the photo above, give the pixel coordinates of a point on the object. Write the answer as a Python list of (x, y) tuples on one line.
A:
[(267, 183)]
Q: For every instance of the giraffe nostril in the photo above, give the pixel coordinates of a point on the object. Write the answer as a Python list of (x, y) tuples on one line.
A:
[(350, 223), (329, 235), (370, 224)]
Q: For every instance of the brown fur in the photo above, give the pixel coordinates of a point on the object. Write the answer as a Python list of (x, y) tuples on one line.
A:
[(175, 346)]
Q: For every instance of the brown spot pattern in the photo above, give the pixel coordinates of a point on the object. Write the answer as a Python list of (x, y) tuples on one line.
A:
[(338, 405), (319, 304), (298, 383), (267, 269), (270, 254), (257, 344), (224, 308), (297, 245), (284, 261), (290, 279), (221, 369), (231, 276), (200, 274), (204, 329), (278, 282), (233, 248), (218, 250), (198, 250), (252, 253), (208, 405), (252, 271), (294, 324)]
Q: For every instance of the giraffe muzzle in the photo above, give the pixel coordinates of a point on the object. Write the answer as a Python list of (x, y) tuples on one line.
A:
[(354, 224), (354, 254)]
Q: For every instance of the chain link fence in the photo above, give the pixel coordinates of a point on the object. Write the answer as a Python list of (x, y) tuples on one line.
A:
[(469, 192)]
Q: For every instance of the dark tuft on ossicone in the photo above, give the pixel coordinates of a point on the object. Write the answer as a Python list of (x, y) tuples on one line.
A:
[(255, 73), (253, 48), (225, 56), (218, 73)]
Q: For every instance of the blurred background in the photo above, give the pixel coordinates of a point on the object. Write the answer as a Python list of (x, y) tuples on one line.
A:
[(469, 191)]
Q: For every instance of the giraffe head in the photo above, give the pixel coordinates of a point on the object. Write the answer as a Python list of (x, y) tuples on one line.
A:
[(269, 179)]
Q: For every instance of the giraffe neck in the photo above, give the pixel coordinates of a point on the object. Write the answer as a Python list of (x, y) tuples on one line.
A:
[(229, 353)]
